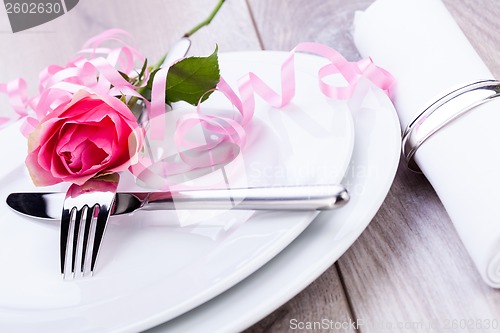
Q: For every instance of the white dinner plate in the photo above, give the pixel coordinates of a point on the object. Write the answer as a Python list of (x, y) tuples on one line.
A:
[(369, 177), (151, 269)]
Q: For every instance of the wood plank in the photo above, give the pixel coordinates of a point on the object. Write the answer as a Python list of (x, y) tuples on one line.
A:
[(283, 24), (314, 304)]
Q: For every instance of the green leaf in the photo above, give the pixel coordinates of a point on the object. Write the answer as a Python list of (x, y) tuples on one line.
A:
[(189, 79), (125, 76)]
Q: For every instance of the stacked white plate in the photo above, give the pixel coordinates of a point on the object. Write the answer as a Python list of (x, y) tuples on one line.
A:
[(211, 275)]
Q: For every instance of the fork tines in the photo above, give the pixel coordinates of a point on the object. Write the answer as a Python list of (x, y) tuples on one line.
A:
[(81, 239)]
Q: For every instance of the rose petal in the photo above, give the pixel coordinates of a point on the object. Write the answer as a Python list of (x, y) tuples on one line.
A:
[(88, 156), (40, 176)]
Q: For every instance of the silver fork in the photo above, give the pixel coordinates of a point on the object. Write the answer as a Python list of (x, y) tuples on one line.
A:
[(85, 214)]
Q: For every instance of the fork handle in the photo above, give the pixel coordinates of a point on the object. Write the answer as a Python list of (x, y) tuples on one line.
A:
[(316, 197)]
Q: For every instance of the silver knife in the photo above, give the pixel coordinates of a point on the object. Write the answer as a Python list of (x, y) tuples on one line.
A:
[(316, 197)]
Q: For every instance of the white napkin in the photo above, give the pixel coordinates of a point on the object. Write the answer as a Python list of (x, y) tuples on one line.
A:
[(422, 46)]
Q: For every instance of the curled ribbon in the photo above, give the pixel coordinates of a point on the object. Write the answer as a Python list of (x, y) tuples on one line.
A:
[(97, 72), (98, 69), (230, 131)]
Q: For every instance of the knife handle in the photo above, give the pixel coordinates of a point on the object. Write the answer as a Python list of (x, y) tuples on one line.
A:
[(316, 197)]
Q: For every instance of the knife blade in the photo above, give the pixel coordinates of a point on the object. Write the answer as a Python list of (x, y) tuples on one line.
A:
[(318, 197)]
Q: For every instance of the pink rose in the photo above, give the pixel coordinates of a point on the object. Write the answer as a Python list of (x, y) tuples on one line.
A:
[(90, 136)]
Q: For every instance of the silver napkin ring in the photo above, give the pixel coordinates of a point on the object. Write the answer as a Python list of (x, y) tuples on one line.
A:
[(442, 112)]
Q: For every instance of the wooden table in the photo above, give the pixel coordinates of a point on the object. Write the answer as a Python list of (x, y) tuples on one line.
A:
[(409, 267)]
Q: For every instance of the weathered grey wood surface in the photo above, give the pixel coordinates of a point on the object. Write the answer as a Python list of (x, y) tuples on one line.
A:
[(408, 268)]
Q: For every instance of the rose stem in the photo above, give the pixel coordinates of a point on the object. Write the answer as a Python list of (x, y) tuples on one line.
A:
[(206, 21)]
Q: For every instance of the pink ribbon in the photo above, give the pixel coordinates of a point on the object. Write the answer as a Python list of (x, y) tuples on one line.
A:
[(16, 93), (232, 129), (97, 72), (97, 68)]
